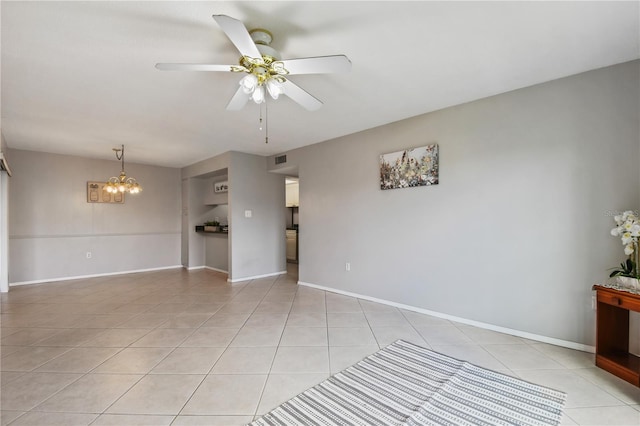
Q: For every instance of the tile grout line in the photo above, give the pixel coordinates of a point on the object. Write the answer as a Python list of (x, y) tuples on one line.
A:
[(368, 323), (143, 375), (264, 386), (226, 348), (326, 316), (413, 326), (198, 286), (212, 365)]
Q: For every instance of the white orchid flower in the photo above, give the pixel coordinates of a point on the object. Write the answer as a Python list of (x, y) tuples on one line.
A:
[(628, 230), (628, 249)]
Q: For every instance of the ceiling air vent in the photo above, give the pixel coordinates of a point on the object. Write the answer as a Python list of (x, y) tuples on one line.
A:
[(281, 159)]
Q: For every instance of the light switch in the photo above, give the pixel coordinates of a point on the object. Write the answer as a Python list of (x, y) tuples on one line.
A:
[(247, 213)]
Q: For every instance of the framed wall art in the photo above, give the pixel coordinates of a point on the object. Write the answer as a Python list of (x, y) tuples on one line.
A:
[(410, 167), (97, 194), (221, 186)]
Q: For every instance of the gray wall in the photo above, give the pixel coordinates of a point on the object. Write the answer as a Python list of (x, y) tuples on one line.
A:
[(213, 198), (185, 234), (214, 249), (217, 252), (197, 181), (517, 231), (197, 214), (256, 246), (194, 194), (52, 226), (257, 243), (208, 166)]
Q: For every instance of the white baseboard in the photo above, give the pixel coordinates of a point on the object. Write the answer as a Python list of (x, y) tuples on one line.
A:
[(194, 268), (216, 269), (518, 333), (106, 274), (199, 268), (255, 277)]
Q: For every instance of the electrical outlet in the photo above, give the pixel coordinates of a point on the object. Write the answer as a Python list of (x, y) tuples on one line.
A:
[(347, 266), (248, 213), (88, 255)]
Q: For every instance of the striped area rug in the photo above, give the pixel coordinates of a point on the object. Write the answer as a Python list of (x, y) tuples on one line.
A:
[(405, 384)]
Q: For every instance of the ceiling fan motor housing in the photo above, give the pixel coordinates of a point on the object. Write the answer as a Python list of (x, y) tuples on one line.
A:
[(262, 39)]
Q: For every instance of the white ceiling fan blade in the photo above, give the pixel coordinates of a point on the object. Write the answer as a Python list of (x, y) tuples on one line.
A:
[(194, 67), (238, 101), (238, 34), (318, 65), (299, 95)]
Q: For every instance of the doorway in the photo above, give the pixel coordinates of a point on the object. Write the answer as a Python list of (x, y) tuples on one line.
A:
[(292, 203)]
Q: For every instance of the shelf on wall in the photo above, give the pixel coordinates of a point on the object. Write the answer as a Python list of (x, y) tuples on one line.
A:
[(200, 228)]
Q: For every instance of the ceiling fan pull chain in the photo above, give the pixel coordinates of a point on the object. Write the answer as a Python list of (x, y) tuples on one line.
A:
[(266, 121), (260, 127)]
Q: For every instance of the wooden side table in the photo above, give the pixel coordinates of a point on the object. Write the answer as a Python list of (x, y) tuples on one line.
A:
[(612, 335)]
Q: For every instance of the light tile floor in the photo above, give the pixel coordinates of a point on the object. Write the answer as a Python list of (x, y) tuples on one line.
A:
[(188, 348)]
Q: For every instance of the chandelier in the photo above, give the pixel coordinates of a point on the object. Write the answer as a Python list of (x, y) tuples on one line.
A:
[(122, 183)]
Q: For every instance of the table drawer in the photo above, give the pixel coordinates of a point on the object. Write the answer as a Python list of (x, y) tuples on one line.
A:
[(630, 303)]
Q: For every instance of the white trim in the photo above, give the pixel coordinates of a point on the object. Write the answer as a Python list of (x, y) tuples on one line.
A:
[(217, 270), (519, 333), (255, 277), (79, 277), (194, 268)]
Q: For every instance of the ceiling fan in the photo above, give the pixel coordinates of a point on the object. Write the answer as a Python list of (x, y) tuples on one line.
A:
[(265, 71)]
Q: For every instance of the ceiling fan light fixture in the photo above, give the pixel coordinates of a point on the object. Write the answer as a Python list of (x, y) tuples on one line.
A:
[(258, 95), (254, 85), (274, 87), (249, 83)]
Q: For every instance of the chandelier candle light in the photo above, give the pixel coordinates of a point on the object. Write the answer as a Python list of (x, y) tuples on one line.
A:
[(122, 183)]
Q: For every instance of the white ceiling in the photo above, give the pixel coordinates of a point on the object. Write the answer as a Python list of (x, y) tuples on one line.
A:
[(79, 78)]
